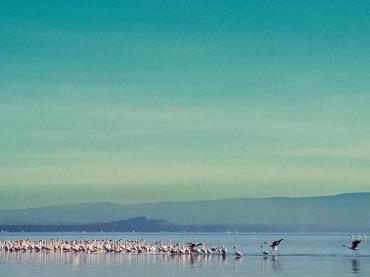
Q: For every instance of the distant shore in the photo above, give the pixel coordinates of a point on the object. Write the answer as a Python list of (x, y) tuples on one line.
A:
[(142, 224)]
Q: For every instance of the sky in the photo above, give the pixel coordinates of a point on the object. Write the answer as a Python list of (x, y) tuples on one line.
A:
[(147, 101)]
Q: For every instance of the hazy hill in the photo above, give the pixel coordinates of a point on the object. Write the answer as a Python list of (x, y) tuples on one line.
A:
[(339, 212)]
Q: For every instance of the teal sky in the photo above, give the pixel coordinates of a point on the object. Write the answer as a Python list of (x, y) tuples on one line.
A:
[(137, 101)]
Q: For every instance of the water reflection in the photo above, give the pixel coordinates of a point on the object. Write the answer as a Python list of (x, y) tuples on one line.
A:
[(356, 266), (237, 261), (77, 264), (80, 259), (271, 263)]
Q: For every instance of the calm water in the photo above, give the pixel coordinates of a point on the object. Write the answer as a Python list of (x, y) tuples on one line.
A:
[(299, 255)]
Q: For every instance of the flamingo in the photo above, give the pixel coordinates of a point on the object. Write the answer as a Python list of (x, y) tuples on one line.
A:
[(194, 247), (354, 247), (264, 252), (274, 244), (223, 251), (238, 253)]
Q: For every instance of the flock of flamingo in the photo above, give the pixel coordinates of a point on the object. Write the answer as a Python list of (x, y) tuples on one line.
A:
[(136, 247)]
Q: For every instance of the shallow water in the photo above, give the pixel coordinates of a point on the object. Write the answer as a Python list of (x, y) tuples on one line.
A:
[(299, 255)]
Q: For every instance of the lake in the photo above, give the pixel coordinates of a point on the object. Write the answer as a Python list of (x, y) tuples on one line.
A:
[(299, 255)]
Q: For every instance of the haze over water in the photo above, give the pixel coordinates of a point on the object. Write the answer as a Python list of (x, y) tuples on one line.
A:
[(299, 255)]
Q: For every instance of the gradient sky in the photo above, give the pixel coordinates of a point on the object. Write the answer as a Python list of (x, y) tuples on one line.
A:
[(137, 101)]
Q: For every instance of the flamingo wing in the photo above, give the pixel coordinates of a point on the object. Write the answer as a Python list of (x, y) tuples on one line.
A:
[(355, 243), (276, 242)]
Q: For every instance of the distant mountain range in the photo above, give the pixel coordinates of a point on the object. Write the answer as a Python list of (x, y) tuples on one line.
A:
[(344, 212)]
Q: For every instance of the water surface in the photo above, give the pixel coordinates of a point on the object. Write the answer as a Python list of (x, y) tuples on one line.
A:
[(299, 255)]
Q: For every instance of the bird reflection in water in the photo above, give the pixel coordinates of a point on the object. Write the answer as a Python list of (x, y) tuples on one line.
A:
[(271, 262), (237, 260), (74, 261), (356, 266), (275, 263)]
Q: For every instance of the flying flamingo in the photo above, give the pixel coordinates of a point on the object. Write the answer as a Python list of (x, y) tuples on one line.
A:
[(274, 245), (354, 247), (193, 247)]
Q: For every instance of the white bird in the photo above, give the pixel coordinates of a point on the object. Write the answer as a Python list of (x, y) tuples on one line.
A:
[(223, 251), (264, 252), (238, 252)]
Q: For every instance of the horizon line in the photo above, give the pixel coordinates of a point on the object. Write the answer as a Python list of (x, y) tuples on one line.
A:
[(188, 201)]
